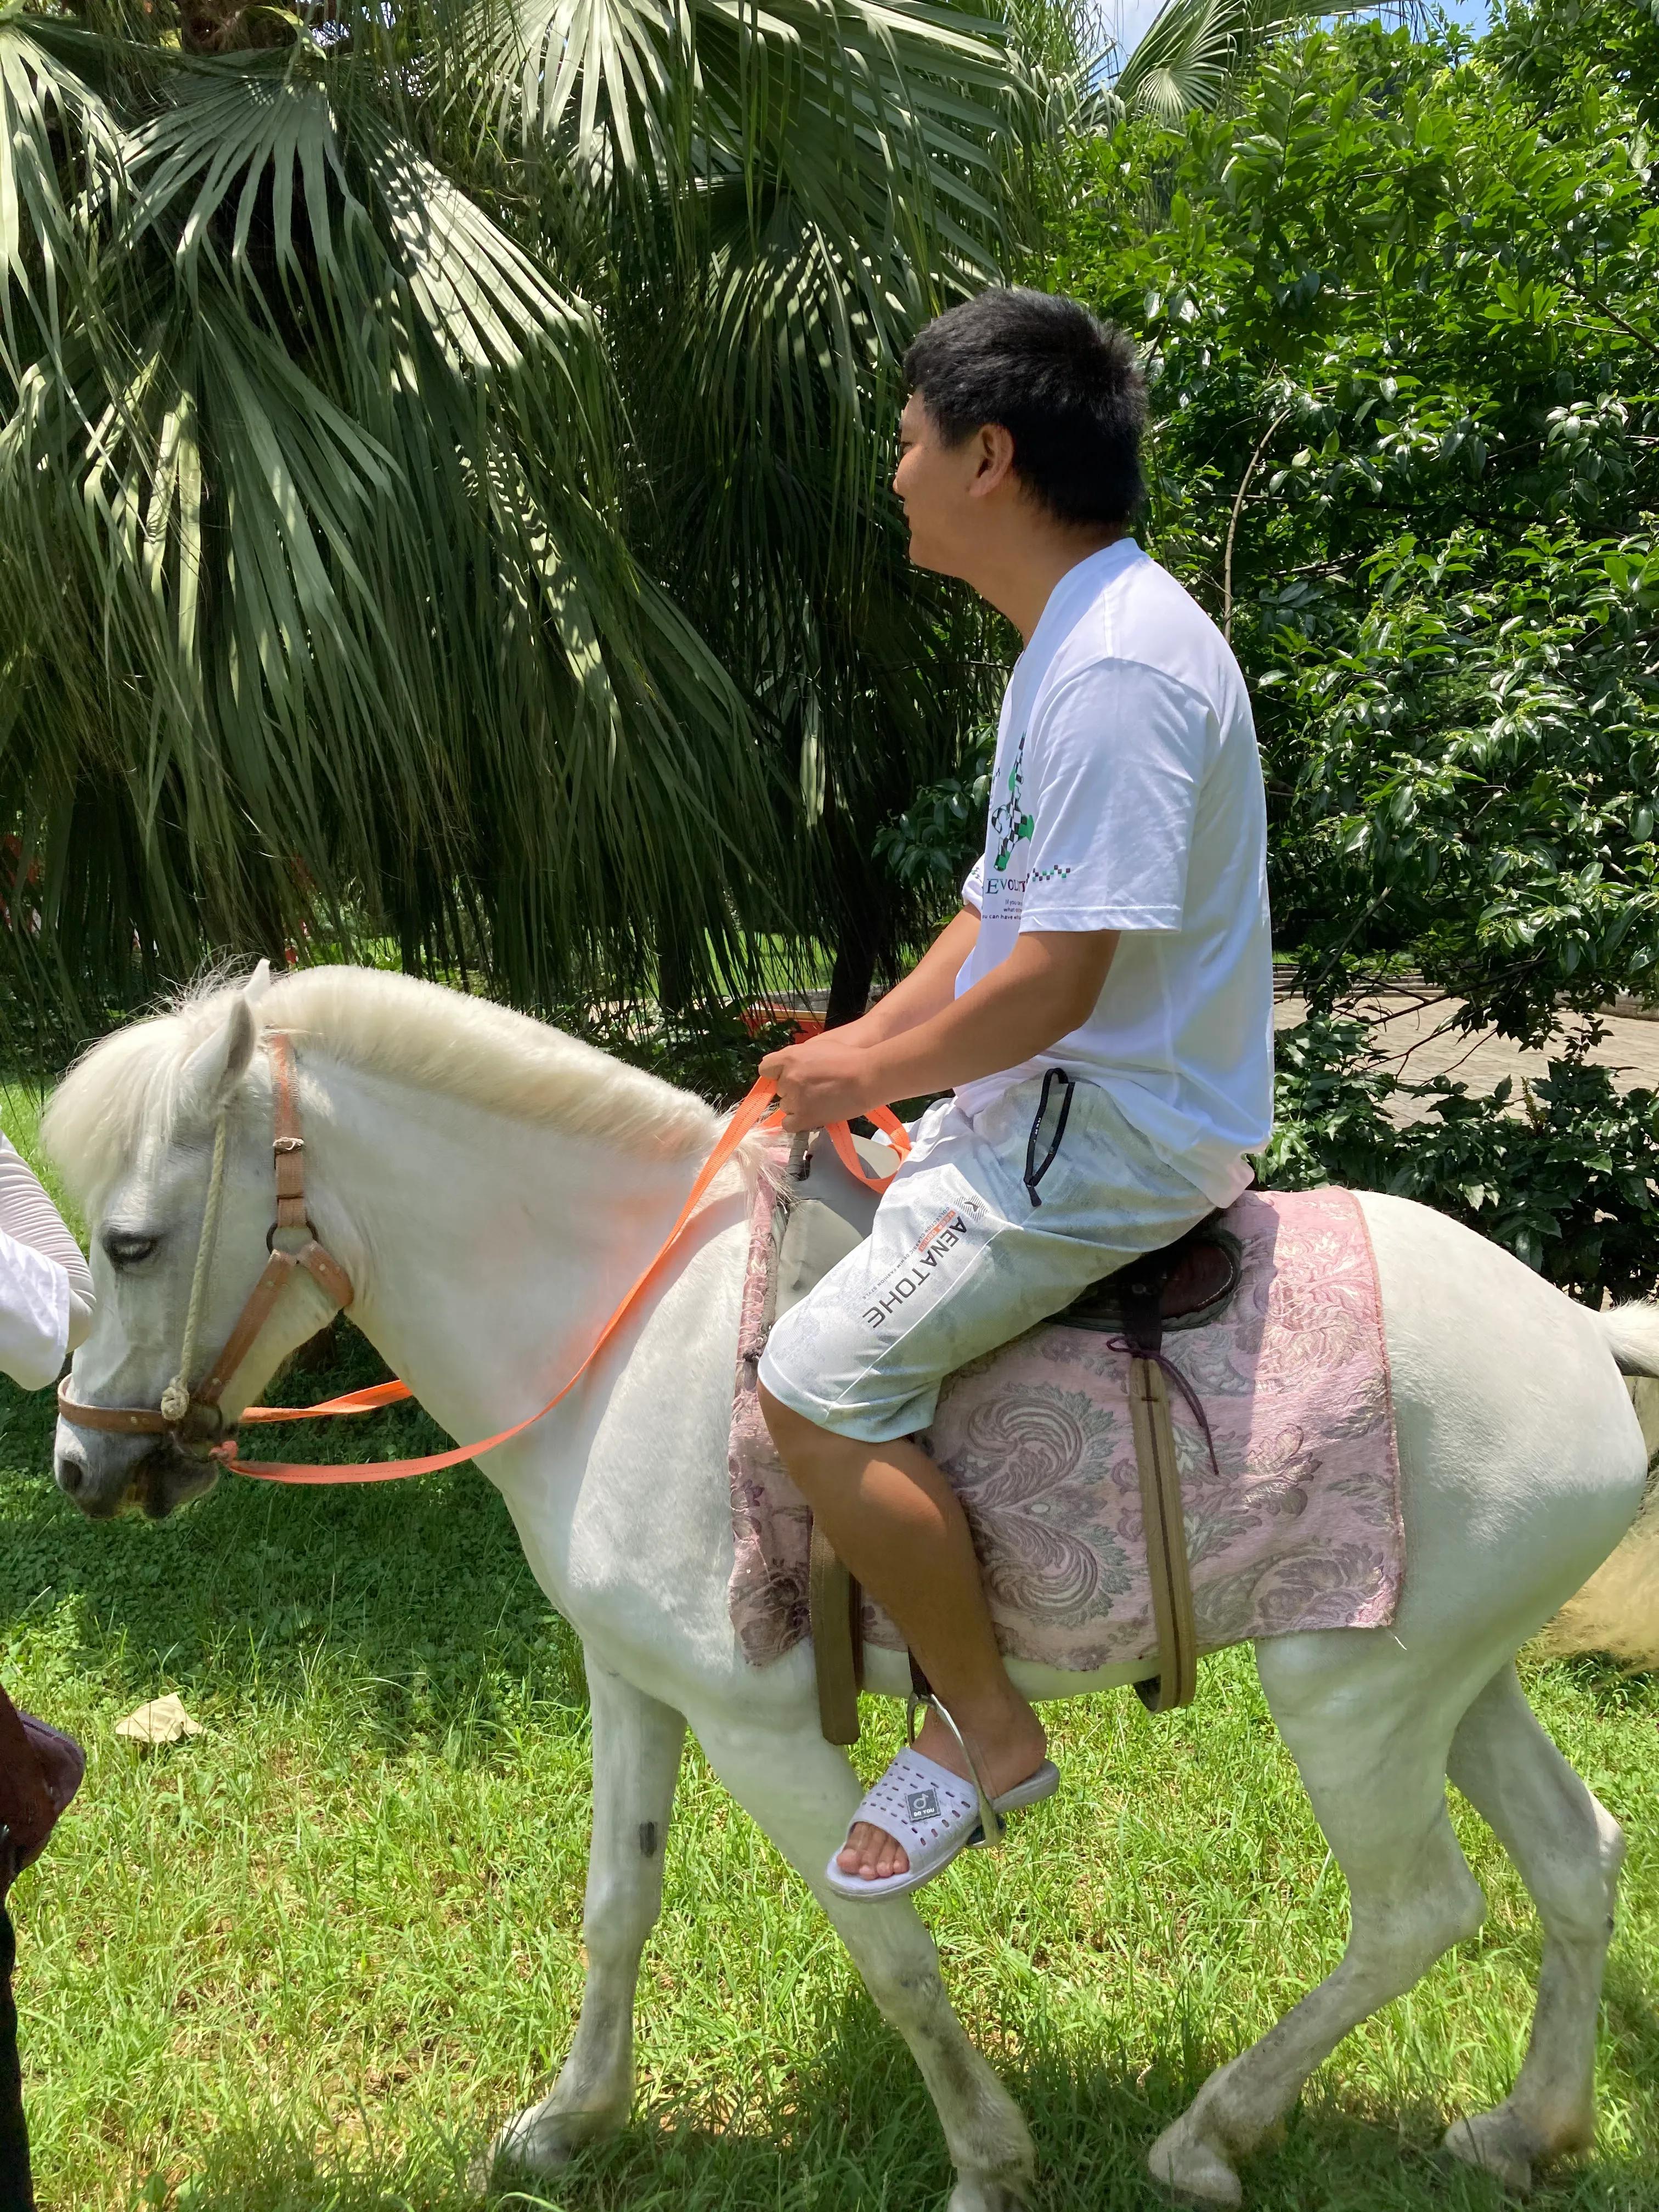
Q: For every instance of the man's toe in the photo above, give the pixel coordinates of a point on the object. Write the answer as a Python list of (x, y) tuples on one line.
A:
[(855, 1852), (871, 1855)]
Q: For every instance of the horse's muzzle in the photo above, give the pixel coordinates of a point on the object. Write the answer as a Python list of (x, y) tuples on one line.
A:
[(106, 1475)]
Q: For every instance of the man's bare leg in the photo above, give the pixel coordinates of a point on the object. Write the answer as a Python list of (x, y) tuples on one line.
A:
[(895, 1520)]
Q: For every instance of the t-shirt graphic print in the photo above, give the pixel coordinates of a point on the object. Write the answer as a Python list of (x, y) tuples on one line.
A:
[(1010, 829), (1127, 795)]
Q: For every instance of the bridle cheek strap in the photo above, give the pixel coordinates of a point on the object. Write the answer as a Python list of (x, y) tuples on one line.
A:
[(330, 1280), (202, 1416)]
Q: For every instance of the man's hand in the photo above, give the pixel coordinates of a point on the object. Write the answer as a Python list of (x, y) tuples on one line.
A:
[(1047, 986), (921, 1038), (826, 1078)]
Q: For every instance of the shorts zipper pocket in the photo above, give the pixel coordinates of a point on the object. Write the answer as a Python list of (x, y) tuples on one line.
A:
[(1034, 1173)]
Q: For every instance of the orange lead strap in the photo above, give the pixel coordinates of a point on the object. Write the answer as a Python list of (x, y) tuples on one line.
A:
[(752, 1113), (366, 1401), (847, 1152)]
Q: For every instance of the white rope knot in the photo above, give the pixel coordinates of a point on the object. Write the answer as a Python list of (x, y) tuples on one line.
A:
[(175, 1399)]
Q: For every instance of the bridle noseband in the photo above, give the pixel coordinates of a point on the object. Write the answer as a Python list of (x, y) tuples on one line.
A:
[(194, 1414)]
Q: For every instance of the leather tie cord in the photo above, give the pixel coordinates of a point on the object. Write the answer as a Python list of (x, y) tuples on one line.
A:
[(175, 1399)]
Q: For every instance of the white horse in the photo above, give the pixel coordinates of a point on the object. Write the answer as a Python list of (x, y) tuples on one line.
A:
[(493, 1187)]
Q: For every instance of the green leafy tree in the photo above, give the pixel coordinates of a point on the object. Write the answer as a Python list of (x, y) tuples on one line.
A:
[(1397, 313), (1564, 1171), (1397, 304)]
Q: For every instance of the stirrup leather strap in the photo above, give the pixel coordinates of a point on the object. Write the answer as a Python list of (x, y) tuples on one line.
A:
[(834, 1610), (1166, 1541)]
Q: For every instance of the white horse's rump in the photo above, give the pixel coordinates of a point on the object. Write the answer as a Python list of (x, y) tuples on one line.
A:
[(492, 1189), (1618, 1609)]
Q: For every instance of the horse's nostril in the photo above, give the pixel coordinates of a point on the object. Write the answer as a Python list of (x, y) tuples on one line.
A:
[(71, 1473)]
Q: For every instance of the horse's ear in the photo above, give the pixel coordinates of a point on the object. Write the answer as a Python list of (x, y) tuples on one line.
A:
[(214, 1069)]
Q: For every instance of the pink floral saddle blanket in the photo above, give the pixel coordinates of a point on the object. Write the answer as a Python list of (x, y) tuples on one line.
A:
[(1295, 1524)]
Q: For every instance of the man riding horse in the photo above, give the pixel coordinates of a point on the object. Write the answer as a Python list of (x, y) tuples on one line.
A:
[(1100, 1012)]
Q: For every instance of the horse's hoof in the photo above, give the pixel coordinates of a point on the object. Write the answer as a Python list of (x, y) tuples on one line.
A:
[(1185, 2165), (481, 2176), (534, 2146), (1493, 2142), (507, 2170), (506, 2184), (973, 2194)]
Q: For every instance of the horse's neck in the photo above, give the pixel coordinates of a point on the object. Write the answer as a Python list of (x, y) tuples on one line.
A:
[(486, 1251)]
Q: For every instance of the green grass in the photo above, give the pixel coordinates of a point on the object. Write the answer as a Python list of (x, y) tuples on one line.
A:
[(307, 1961)]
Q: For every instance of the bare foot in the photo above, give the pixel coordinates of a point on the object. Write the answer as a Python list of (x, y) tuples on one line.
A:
[(1007, 1757)]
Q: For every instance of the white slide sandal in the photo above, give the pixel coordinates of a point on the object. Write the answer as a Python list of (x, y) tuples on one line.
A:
[(934, 1814)]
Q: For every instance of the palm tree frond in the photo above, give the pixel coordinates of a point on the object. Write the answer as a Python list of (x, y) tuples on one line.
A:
[(598, 73), (44, 231), (330, 575), (1187, 54), (1182, 59), (481, 294)]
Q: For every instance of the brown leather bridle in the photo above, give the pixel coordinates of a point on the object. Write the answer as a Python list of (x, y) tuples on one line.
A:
[(203, 1418)]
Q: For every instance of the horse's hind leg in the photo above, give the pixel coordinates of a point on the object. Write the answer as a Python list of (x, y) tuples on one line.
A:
[(1568, 1850), (637, 1744), (1371, 1739), (803, 1792)]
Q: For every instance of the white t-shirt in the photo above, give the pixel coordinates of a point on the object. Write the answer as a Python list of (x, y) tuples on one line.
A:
[(34, 1314), (1127, 795)]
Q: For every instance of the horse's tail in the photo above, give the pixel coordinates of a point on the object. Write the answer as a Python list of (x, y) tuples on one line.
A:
[(1618, 1609), (1633, 1335)]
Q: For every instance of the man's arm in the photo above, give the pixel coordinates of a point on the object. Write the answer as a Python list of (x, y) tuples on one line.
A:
[(1045, 988), (927, 989)]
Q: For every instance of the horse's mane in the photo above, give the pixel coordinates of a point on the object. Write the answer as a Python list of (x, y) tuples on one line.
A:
[(126, 1087)]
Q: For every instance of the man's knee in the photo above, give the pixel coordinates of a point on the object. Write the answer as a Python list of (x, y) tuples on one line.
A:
[(810, 1453)]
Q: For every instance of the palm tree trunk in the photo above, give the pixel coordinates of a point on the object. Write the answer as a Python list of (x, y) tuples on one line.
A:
[(856, 955)]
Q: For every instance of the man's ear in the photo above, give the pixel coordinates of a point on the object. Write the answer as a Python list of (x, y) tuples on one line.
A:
[(213, 1071), (995, 456)]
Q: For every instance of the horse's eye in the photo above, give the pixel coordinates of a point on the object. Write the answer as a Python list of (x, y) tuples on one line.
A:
[(127, 1247)]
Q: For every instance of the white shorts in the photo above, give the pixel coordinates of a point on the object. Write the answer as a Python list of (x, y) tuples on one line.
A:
[(993, 1223)]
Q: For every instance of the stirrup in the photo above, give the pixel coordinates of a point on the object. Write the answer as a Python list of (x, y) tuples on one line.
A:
[(993, 1827)]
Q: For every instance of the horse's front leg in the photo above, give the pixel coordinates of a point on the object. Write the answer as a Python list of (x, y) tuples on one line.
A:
[(637, 1760), (802, 1792)]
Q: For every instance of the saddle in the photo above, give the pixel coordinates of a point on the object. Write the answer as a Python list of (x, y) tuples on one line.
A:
[(826, 1213)]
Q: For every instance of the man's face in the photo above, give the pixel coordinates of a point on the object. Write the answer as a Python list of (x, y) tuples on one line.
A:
[(943, 489)]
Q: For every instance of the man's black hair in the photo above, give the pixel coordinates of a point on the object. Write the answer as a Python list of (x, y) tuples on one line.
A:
[(1066, 388)]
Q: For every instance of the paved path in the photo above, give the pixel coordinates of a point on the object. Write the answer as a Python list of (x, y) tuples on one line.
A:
[(1416, 1044), (1413, 1036)]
